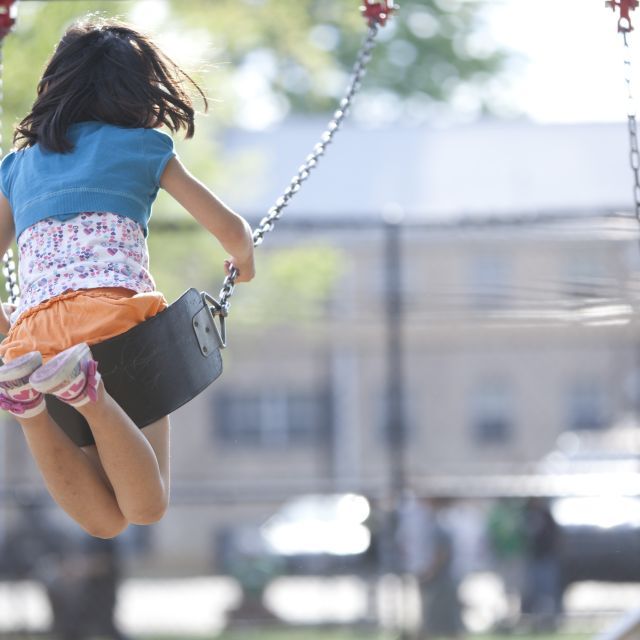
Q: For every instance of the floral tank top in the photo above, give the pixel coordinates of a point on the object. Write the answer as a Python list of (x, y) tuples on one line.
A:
[(90, 250)]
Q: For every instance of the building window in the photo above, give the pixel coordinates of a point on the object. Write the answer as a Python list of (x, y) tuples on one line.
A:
[(586, 405), (489, 279), (492, 413), (271, 420)]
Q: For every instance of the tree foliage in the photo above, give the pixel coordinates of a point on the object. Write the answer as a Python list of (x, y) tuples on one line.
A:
[(428, 52), (298, 53)]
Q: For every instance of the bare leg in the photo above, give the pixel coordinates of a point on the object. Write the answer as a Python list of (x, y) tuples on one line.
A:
[(135, 461), (74, 481)]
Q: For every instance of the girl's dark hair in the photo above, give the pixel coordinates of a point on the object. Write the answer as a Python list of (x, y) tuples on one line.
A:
[(106, 71)]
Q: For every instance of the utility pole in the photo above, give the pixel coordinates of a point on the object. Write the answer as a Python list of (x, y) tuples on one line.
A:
[(396, 427), (396, 424)]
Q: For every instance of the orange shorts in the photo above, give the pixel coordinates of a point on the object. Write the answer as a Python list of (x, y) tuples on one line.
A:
[(89, 315)]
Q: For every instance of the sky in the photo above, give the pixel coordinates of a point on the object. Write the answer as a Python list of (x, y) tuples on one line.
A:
[(575, 61), (568, 67)]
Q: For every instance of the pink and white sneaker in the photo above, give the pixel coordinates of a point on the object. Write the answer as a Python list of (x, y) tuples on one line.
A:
[(17, 396), (72, 376)]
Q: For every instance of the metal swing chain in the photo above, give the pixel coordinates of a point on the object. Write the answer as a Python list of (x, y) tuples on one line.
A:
[(8, 262), (634, 151), (625, 7), (268, 222)]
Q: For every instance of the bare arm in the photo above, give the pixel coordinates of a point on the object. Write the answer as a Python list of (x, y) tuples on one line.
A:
[(7, 232), (232, 231)]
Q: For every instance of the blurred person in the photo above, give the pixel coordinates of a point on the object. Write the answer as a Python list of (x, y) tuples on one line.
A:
[(82, 590), (542, 598), (441, 606), (254, 570), (97, 579), (65, 587), (35, 549), (372, 560), (77, 197), (507, 541), (413, 534), (79, 573), (465, 520), (426, 550)]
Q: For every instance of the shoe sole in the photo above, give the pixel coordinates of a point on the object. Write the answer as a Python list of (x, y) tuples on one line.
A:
[(21, 367), (58, 370)]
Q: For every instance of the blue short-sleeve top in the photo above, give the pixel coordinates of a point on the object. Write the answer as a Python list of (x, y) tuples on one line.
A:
[(110, 168)]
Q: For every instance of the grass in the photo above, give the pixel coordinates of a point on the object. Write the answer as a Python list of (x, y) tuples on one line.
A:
[(315, 634), (279, 635), (304, 635)]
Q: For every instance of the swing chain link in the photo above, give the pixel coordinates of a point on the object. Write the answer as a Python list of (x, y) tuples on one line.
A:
[(275, 212), (8, 262), (632, 124), (10, 278)]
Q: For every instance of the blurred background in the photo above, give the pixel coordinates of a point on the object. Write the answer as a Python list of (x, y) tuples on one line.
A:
[(428, 420)]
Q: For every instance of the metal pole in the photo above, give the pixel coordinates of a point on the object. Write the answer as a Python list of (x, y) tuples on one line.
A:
[(396, 419), (395, 416)]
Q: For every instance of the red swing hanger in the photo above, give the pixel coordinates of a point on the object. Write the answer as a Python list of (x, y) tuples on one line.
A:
[(625, 7), (378, 11), (7, 17)]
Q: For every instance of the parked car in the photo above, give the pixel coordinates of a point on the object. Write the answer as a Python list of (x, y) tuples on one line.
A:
[(314, 534), (600, 538), (600, 529)]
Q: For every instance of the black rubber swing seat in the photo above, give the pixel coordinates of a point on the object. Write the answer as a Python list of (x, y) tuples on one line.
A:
[(155, 367)]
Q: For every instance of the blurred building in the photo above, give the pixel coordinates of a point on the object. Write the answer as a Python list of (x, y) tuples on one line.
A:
[(518, 281)]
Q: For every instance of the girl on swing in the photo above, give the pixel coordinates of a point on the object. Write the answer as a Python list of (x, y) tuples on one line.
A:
[(77, 195)]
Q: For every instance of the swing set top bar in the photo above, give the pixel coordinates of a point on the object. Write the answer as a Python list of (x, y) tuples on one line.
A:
[(373, 11)]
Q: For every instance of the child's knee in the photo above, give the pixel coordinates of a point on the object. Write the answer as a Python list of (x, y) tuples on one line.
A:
[(149, 513), (107, 528)]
